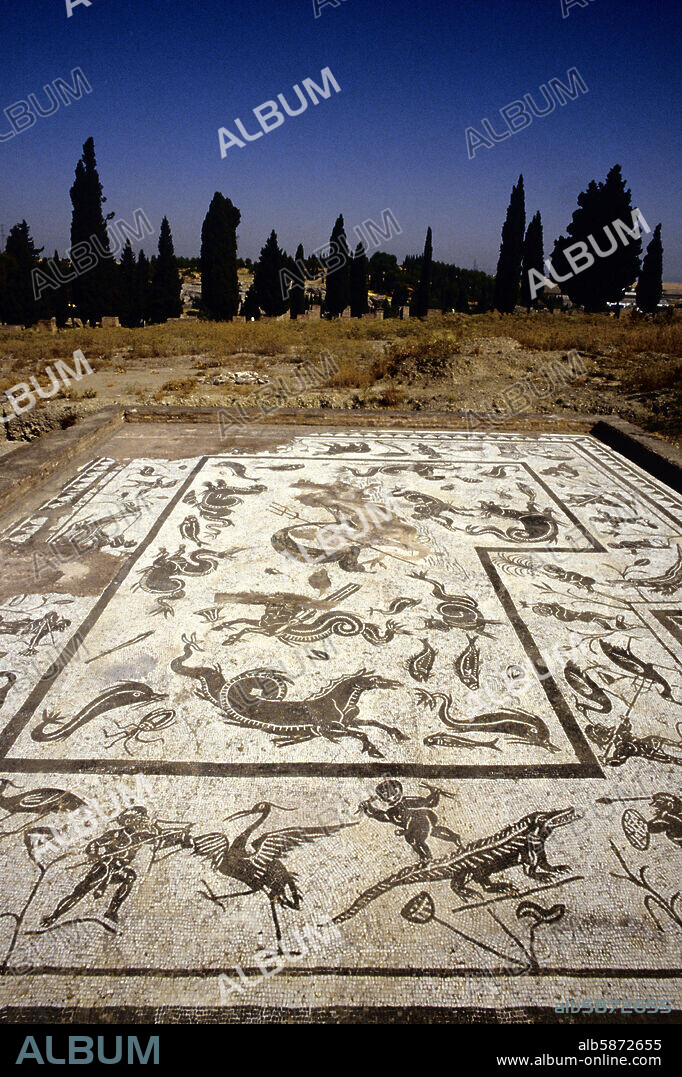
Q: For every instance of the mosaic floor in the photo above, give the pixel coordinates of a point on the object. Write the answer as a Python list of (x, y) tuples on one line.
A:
[(386, 719)]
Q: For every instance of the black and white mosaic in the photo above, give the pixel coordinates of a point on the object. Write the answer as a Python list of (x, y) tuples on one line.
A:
[(390, 717)]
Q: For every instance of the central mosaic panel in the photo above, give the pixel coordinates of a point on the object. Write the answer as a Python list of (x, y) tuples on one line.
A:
[(321, 614), (325, 615)]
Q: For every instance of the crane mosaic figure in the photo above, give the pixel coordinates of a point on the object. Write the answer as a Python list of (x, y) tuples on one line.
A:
[(37, 802), (258, 863)]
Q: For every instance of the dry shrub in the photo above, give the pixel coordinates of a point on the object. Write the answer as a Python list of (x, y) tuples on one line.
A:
[(179, 385), (141, 351), (430, 357), (358, 372), (591, 334), (415, 342), (7, 383), (658, 374), (392, 398), (351, 374), (76, 394), (238, 390)]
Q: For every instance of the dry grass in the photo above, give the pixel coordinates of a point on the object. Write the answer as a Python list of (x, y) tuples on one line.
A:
[(658, 374), (592, 334), (452, 362), (354, 374), (214, 343), (77, 394), (392, 398), (180, 385), (429, 356)]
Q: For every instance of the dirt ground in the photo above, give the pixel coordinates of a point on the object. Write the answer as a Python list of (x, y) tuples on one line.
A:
[(496, 366)]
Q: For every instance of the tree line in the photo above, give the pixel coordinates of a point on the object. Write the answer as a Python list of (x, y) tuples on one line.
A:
[(589, 264), (279, 281), (137, 290), (141, 290)]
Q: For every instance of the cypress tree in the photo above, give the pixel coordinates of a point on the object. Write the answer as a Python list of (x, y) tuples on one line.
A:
[(297, 299), (4, 274), (533, 258), (511, 252), (219, 283), (422, 293), (462, 300), (165, 293), (400, 295), (267, 286), (599, 206), (359, 304), (485, 293), (338, 280), (128, 289), (93, 290), (60, 299), (650, 283), (250, 308), (449, 297), (143, 278), (18, 305)]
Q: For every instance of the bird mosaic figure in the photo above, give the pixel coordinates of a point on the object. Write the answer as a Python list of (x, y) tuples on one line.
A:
[(10, 679), (258, 863), (37, 802)]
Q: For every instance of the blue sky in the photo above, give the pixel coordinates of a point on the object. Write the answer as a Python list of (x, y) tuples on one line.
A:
[(166, 74)]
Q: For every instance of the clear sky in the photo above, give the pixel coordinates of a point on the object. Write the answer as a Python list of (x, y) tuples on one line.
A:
[(166, 74)]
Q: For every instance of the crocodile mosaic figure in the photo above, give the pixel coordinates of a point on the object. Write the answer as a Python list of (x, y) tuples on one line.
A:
[(522, 843)]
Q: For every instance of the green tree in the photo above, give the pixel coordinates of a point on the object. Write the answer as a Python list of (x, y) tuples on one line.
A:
[(400, 296), (533, 258), (359, 304), (462, 299), (219, 283), (338, 279), (422, 293), (484, 292), (650, 283), (144, 284), (94, 290), (4, 276), (166, 284), (267, 284), (59, 300), (297, 300), (615, 263), (250, 308), (18, 306), (384, 274), (511, 252), (128, 289)]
